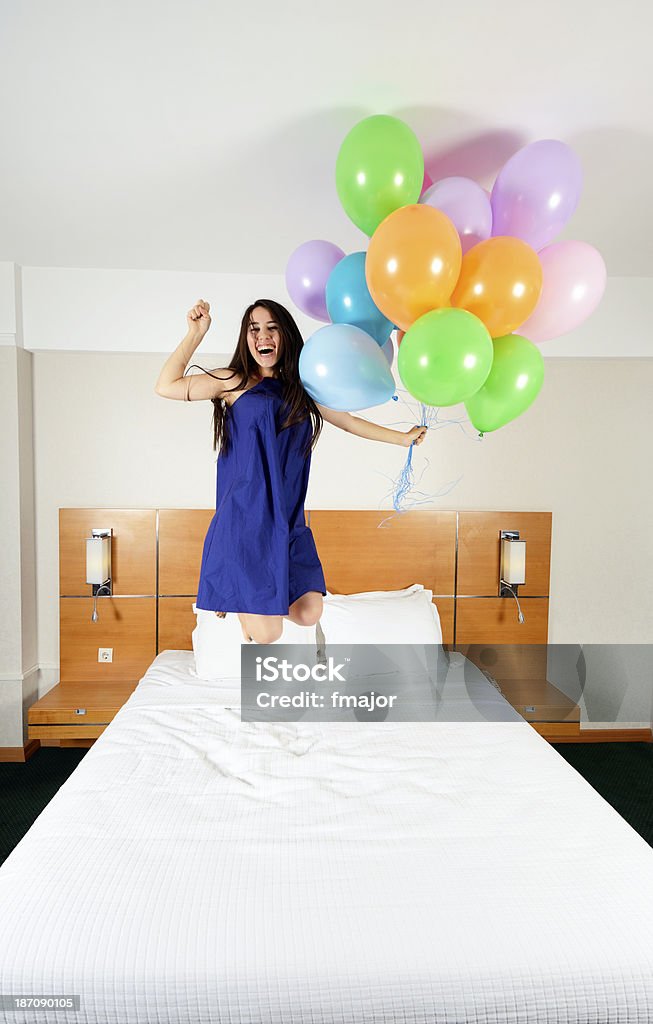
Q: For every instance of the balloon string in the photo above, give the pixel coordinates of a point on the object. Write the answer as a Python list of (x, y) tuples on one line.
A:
[(404, 484), (414, 502)]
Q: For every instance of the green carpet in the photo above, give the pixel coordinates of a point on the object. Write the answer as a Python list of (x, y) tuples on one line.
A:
[(621, 772), (26, 788)]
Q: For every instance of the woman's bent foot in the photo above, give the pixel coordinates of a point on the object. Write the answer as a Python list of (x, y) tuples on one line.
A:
[(246, 637)]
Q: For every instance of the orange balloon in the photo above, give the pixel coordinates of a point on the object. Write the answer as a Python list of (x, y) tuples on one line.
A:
[(500, 283), (413, 262), (400, 336)]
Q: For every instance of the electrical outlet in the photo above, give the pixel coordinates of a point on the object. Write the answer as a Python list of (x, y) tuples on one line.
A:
[(105, 654)]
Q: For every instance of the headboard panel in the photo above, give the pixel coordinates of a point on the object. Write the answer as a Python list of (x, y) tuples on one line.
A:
[(392, 550), (181, 534), (157, 554), (133, 549), (479, 551)]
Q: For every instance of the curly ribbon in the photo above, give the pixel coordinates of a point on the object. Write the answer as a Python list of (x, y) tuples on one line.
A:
[(404, 485)]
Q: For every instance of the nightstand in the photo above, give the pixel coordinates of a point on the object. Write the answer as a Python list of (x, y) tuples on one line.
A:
[(519, 672), (75, 714), (547, 709)]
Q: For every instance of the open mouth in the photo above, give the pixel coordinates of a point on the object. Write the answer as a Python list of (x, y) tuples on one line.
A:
[(266, 350)]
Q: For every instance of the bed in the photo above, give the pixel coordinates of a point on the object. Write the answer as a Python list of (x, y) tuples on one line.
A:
[(195, 868)]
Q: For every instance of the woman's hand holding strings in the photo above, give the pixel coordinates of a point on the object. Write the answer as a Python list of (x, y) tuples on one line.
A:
[(414, 436)]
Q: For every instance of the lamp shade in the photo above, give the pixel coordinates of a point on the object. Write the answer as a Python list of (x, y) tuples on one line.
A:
[(98, 559), (513, 561)]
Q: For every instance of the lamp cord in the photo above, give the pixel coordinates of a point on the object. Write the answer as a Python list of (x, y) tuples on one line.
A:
[(94, 616), (521, 615)]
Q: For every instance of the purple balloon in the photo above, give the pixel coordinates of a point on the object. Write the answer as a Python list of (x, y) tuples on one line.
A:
[(536, 192), (307, 274), (466, 204)]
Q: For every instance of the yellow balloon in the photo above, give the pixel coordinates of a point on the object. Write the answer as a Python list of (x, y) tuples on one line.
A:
[(500, 283), (413, 262)]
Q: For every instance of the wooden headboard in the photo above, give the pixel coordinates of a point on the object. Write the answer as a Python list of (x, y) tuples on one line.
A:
[(156, 555)]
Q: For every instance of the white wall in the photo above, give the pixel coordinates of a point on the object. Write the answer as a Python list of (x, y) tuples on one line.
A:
[(611, 683), (144, 311), (10, 609), (137, 310), (18, 642)]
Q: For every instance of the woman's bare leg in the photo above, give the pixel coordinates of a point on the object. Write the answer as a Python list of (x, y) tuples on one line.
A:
[(264, 629), (307, 609)]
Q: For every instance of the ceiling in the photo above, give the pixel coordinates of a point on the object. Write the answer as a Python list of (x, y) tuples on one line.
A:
[(203, 136)]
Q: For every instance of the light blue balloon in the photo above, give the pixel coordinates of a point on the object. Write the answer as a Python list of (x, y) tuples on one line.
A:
[(348, 299), (343, 368)]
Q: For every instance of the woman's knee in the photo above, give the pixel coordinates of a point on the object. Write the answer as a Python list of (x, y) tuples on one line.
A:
[(307, 610), (267, 632)]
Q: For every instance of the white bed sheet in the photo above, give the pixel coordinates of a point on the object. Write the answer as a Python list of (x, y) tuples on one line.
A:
[(198, 869)]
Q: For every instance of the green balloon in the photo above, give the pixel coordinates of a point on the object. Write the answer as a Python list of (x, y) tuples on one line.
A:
[(445, 356), (513, 384), (380, 167)]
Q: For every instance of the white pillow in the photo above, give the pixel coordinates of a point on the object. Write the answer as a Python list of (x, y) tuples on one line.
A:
[(406, 616), (217, 642)]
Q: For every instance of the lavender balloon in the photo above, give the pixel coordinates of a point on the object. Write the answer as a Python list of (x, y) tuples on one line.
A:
[(307, 274), (536, 192), (466, 204)]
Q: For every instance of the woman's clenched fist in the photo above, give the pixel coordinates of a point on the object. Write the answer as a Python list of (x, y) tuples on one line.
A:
[(198, 318)]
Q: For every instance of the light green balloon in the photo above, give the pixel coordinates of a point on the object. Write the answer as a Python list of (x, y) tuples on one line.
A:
[(380, 167), (445, 356), (513, 384)]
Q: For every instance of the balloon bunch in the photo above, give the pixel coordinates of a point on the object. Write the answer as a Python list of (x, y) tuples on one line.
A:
[(455, 269)]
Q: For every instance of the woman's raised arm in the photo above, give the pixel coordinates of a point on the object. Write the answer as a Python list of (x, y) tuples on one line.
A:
[(197, 386)]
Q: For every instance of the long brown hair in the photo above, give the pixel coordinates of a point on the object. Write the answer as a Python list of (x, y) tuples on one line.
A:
[(300, 405)]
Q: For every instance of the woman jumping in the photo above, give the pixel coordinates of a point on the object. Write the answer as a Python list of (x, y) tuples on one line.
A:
[(259, 558)]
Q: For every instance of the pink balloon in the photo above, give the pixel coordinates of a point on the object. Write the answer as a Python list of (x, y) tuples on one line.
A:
[(427, 182), (466, 204), (573, 281)]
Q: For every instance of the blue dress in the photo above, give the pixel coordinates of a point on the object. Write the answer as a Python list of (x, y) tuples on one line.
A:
[(259, 556)]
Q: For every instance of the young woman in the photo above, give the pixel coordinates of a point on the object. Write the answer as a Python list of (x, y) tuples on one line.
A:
[(259, 558)]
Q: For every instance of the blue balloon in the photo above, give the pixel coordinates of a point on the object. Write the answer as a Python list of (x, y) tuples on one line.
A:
[(344, 369), (348, 299)]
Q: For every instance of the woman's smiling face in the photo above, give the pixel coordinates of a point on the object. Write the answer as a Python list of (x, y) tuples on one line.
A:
[(264, 337)]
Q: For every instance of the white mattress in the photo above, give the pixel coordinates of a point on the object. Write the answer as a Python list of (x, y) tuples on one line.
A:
[(198, 869)]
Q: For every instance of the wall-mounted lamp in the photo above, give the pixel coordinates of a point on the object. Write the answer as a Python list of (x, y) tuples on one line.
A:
[(98, 566), (513, 566)]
